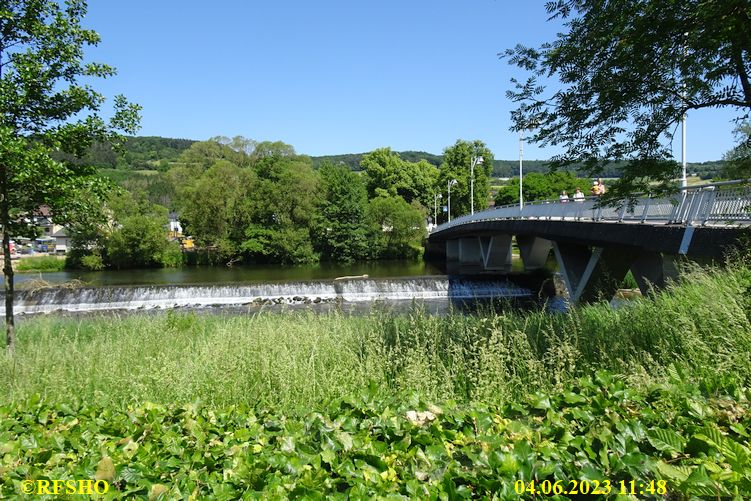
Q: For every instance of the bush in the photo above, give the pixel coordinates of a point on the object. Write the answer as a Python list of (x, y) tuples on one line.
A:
[(92, 262), (172, 256)]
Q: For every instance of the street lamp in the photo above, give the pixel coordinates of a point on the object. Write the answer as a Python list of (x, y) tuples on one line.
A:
[(521, 171), (435, 207), (684, 179), (451, 183), (473, 162)]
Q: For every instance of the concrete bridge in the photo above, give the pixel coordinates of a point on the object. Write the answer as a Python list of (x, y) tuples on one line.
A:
[(595, 246)]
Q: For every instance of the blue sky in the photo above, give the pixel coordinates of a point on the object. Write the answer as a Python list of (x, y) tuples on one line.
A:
[(332, 77)]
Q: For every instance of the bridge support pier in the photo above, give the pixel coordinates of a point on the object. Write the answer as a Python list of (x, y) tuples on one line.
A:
[(475, 255), (496, 253), (534, 251), (648, 269), (452, 257), (592, 274), (470, 255)]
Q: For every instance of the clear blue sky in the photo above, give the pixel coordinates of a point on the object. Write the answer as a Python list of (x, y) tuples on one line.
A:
[(332, 77)]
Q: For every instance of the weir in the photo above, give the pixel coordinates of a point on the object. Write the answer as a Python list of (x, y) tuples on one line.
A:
[(86, 299)]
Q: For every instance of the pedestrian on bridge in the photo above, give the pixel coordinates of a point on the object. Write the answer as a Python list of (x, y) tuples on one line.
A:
[(578, 195), (598, 188), (563, 197)]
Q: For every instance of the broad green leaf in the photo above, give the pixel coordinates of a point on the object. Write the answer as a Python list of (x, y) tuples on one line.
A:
[(666, 440)]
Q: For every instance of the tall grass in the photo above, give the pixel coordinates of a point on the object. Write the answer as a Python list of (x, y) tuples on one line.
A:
[(40, 263), (295, 362)]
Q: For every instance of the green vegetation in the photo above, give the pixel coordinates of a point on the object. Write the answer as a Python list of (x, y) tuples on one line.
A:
[(738, 160), (134, 237), (342, 228), (40, 263), (153, 154), (541, 187), (410, 405), (245, 201), (618, 77), (49, 110)]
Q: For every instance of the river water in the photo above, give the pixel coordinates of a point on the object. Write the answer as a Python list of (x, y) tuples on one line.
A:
[(234, 274), (253, 288)]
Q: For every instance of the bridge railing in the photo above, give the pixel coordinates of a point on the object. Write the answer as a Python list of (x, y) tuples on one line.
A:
[(724, 203)]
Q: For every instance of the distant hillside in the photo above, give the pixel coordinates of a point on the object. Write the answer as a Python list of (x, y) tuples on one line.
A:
[(156, 153), (352, 160)]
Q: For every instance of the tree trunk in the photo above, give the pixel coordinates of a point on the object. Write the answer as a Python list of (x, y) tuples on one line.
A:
[(10, 327)]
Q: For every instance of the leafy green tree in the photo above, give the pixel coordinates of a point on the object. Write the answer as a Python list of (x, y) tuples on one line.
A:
[(388, 174), (399, 227), (270, 149), (203, 154), (47, 106), (340, 225), (216, 209), (628, 71), (539, 186), (738, 160), (282, 206), (457, 161), (140, 241), (238, 143), (134, 236)]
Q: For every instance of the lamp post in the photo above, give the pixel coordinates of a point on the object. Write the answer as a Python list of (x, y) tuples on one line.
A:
[(684, 179), (435, 207), (521, 171), (450, 184), (474, 161)]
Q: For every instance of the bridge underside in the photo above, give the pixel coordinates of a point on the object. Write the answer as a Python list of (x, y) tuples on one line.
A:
[(590, 273), (593, 259)]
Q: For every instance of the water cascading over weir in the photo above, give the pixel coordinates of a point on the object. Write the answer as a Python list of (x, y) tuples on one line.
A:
[(87, 299)]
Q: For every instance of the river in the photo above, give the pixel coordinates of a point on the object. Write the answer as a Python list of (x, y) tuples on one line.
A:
[(234, 274), (261, 287)]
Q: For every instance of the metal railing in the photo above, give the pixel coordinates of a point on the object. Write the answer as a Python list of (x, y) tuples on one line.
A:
[(725, 203)]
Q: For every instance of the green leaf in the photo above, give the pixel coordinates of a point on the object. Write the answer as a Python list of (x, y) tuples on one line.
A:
[(666, 440), (345, 439), (674, 474)]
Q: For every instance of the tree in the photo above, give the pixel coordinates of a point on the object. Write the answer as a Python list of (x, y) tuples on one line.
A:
[(738, 160), (539, 186), (282, 207), (388, 174), (628, 72), (399, 226), (216, 209), (203, 154), (138, 237), (340, 225), (457, 161), (128, 232), (43, 109)]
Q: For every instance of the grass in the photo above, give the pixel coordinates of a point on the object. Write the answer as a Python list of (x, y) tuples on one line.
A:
[(300, 361), (279, 406), (40, 263)]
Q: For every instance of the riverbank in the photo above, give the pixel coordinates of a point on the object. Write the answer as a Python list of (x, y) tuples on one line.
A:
[(411, 405), (38, 264)]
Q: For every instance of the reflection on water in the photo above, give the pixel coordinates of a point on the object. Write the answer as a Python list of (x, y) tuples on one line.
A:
[(235, 274)]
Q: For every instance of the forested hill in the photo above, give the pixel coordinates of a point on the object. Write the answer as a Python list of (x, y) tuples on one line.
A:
[(157, 153)]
